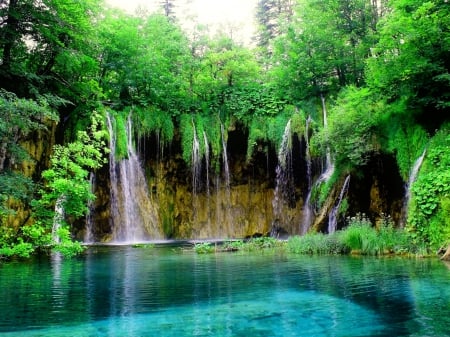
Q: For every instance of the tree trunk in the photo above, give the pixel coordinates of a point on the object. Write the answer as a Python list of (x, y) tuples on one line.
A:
[(446, 255)]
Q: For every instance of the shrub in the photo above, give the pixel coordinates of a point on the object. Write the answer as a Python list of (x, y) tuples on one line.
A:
[(316, 243), (204, 248)]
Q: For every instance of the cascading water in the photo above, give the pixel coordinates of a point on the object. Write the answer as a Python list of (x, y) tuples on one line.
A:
[(326, 174), (196, 163), (208, 193), (205, 139), (411, 179), (226, 170), (332, 217), (89, 235), (307, 212), (58, 218), (133, 215), (225, 157), (283, 179)]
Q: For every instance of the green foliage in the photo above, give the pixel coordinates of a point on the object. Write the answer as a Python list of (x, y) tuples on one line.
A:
[(14, 187), (19, 118), (298, 121), (204, 248), (120, 132), (321, 191), (252, 100), (270, 129), (324, 47), (207, 129), (187, 137), (409, 59), (261, 243), (232, 245), (251, 245), (67, 247), (153, 120), (316, 244), (429, 211), (144, 245), (361, 237), (20, 249), (257, 134), (405, 139), (350, 131), (67, 180)]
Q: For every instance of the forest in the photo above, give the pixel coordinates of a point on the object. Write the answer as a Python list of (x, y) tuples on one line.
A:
[(363, 84)]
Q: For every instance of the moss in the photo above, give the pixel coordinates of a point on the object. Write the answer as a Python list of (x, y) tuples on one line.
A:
[(121, 137), (153, 120), (429, 208), (187, 136)]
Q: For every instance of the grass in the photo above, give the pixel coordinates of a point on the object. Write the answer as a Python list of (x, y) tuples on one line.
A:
[(359, 237)]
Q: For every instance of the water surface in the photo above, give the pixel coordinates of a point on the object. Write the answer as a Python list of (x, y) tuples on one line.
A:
[(164, 291)]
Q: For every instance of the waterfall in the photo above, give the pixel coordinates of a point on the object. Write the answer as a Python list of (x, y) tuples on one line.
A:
[(196, 162), (89, 235), (205, 139), (226, 171), (208, 193), (326, 174), (133, 214), (225, 157), (307, 212), (58, 218), (411, 179), (332, 218), (283, 179)]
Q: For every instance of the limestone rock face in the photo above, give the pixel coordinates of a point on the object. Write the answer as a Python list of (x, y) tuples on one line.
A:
[(245, 206), (38, 145)]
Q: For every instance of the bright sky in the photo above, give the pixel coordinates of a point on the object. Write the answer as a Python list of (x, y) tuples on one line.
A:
[(238, 14)]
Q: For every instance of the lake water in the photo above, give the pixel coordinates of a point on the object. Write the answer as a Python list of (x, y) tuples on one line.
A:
[(165, 291)]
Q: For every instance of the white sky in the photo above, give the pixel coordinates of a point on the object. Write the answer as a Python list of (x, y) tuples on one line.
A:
[(238, 14)]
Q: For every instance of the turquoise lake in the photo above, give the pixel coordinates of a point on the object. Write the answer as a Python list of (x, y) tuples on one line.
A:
[(168, 291)]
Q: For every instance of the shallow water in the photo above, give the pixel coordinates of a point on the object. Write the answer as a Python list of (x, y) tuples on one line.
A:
[(164, 291)]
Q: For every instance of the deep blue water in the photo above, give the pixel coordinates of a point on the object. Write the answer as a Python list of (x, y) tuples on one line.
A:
[(164, 291)]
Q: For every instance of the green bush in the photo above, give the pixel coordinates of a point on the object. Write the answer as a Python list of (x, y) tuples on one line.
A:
[(261, 243), (316, 243), (429, 210), (204, 248)]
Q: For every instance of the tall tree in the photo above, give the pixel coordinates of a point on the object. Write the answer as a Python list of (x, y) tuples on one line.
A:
[(271, 15), (168, 7), (410, 64), (325, 47)]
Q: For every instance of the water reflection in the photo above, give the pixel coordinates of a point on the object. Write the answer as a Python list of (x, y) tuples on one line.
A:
[(124, 289)]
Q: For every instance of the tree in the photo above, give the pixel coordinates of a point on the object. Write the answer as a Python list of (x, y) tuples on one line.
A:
[(410, 63), (20, 118), (67, 186), (168, 7), (38, 39), (270, 15), (325, 47)]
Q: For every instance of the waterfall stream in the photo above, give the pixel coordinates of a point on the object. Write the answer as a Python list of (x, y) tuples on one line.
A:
[(89, 235), (58, 218), (307, 213), (226, 204), (133, 214), (196, 163), (332, 217), (327, 172), (283, 179), (411, 179)]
